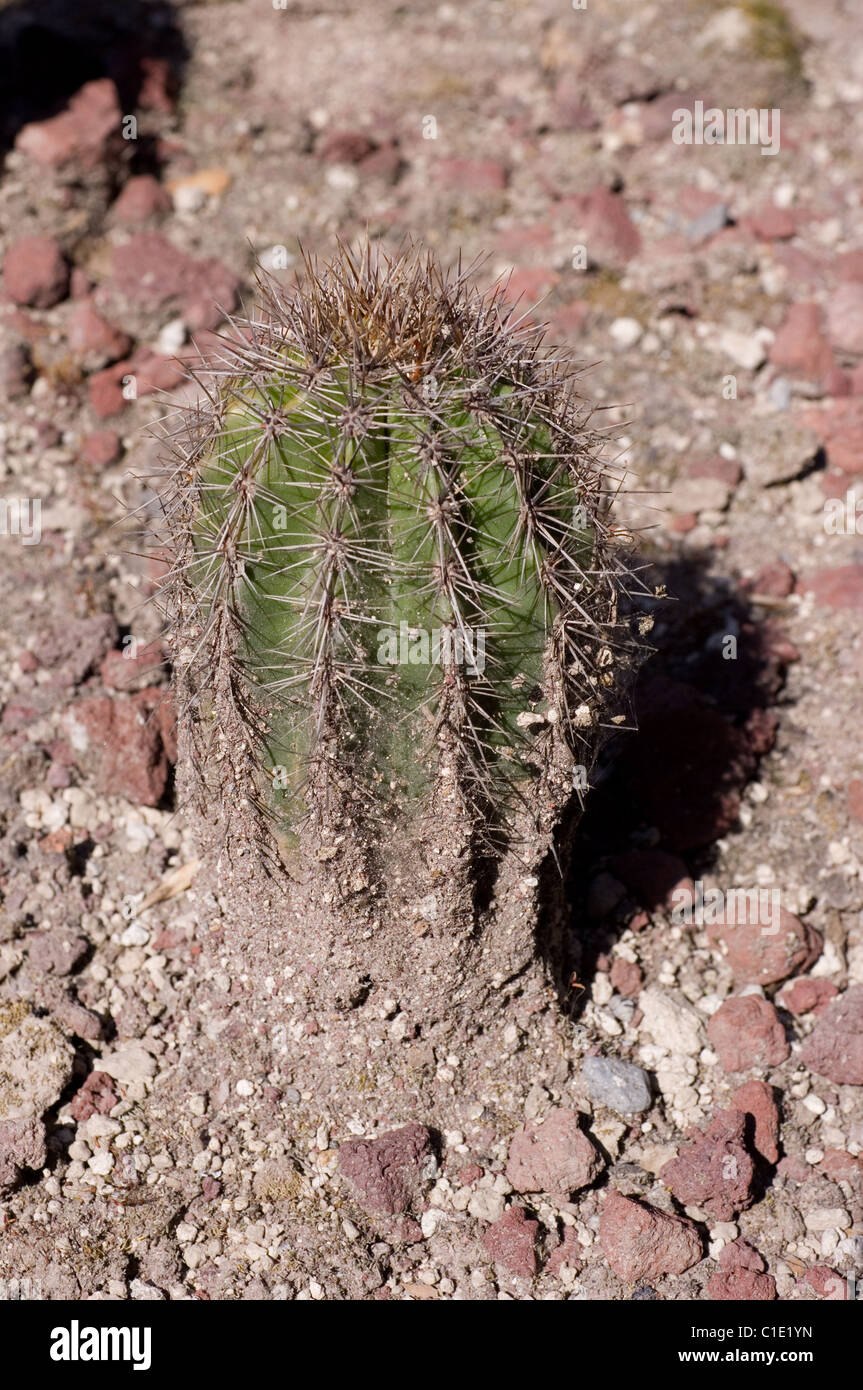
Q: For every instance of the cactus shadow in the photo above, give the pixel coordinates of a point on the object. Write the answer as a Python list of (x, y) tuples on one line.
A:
[(50, 48), (703, 714)]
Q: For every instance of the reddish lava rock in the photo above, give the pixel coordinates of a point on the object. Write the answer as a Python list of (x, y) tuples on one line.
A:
[(553, 1156), (568, 1253), (717, 1171), (845, 318), (843, 1167), (473, 175), (121, 741), (835, 1048), (763, 952), (511, 1242), (840, 587), (756, 1100), (101, 448), (96, 1097), (800, 345), (56, 952), (626, 977), (142, 198), (80, 134), (855, 798), (344, 146), (740, 1275), (35, 272), (612, 237), (746, 1031), (388, 1173), (804, 996), (776, 580), (641, 1243), (92, 339), (154, 273), (827, 1283), (134, 667), (22, 1146)]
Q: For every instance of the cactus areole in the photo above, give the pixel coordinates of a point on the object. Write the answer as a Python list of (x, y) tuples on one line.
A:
[(395, 588)]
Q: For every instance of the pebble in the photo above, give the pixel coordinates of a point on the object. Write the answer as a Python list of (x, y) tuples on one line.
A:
[(626, 332), (35, 272), (622, 1086)]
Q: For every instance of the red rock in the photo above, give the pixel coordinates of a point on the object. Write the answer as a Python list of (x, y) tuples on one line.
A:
[(80, 285), (612, 237), (511, 1242), (35, 272), (472, 175), (849, 266), (725, 470), (553, 1156), (741, 1285), (155, 274), (740, 1275), (827, 1283), (523, 241), (387, 1174), (344, 146), (652, 875), (569, 1252), (855, 798), (841, 587), (570, 319), (142, 198), (761, 950), (739, 1254), (80, 134), (626, 977), (641, 1243), (105, 390), (529, 284), (843, 1167), (96, 1097), (717, 1171), (800, 345), (776, 580), (384, 163), (845, 318), (119, 742), (101, 448), (56, 951), (802, 996), (746, 1031), (794, 1168), (756, 1100), (92, 339), (141, 375), (22, 1146), (683, 523), (835, 1048), (771, 223), (121, 670)]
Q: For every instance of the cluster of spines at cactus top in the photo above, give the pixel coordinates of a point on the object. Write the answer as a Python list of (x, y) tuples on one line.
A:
[(391, 542)]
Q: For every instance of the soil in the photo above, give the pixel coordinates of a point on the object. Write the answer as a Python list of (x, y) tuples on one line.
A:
[(159, 1139)]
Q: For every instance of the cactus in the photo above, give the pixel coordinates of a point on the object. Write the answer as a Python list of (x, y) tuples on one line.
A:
[(395, 590)]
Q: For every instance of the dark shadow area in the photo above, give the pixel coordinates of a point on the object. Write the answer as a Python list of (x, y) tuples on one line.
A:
[(50, 48), (661, 795)]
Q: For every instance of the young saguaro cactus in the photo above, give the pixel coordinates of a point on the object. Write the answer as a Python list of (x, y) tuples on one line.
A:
[(396, 581)]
